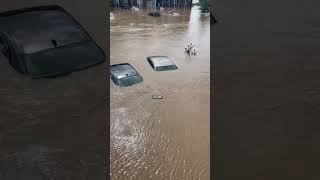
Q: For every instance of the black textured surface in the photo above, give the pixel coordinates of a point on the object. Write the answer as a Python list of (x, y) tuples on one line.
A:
[(266, 102), (56, 128)]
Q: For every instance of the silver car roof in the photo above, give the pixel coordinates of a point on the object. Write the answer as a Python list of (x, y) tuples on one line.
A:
[(160, 61), (123, 70)]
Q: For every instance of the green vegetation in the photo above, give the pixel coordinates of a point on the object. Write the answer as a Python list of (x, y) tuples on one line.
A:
[(205, 6), (112, 2)]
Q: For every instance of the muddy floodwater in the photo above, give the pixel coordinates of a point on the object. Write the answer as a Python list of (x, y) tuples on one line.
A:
[(161, 138)]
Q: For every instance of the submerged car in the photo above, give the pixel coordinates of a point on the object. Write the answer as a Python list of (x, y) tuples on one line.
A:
[(161, 63), (154, 14), (124, 74), (46, 41), (124, 6)]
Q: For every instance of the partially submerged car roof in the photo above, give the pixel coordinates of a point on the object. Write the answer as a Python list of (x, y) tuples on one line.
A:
[(154, 14), (161, 63), (124, 74), (46, 41)]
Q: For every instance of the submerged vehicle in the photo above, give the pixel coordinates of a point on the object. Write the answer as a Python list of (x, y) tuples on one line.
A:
[(124, 6), (124, 74), (154, 14), (46, 41), (161, 63)]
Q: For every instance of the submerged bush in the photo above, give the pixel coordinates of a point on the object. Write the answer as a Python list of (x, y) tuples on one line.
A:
[(205, 6)]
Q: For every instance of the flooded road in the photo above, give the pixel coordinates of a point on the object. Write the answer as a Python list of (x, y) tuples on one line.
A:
[(161, 138)]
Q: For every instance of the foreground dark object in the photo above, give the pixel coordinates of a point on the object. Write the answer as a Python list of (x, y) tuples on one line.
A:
[(213, 20), (161, 63), (124, 75), (154, 14), (55, 128), (266, 90), (46, 41)]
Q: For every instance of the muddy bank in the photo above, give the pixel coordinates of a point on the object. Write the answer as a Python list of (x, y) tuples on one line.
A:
[(161, 138), (266, 56), (54, 128)]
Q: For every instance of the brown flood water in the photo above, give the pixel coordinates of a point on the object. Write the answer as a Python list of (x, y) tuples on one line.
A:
[(166, 138)]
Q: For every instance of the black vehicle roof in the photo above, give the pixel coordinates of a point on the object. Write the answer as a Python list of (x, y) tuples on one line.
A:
[(33, 29), (28, 9), (46, 41)]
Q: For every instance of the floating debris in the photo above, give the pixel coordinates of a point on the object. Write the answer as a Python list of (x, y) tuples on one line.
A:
[(174, 13), (194, 52), (157, 97), (154, 14), (190, 50), (134, 8), (111, 15), (205, 14)]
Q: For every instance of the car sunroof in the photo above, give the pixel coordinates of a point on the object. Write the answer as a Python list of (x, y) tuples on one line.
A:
[(41, 30), (161, 63)]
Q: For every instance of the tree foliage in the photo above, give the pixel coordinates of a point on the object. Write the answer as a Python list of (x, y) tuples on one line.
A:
[(205, 6), (112, 2)]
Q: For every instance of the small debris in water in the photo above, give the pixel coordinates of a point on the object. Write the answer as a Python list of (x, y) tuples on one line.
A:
[(190, 50), (157, 97), (174, 13), (154, 14), (112, 16), (134, 8)]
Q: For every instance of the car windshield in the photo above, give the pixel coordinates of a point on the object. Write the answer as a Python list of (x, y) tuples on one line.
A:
[(164, 68), (41, 30), (127, 81), (63, 60)]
